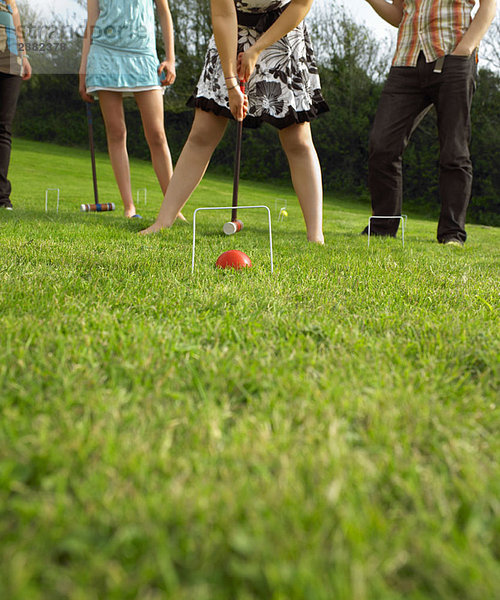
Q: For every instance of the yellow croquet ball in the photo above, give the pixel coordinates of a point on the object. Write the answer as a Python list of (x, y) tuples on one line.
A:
[(284, 213)]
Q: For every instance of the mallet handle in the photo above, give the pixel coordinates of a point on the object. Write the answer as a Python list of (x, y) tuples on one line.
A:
[(92, 151), (237, 163)]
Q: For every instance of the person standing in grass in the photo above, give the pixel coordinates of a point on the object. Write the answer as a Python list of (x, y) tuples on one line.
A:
[(118, 59), (264, 43), (435, 64), (14, 68)]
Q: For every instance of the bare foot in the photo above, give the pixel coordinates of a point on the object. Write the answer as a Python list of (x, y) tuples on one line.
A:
[(181, 217), (320, 241), (154, 228), (130, 211)]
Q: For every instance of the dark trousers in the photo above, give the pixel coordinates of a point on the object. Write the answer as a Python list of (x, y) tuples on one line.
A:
[(10, 85), (408, 95)]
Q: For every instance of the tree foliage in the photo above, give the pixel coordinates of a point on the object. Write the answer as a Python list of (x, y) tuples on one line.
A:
[(491, 45), (192, 27)]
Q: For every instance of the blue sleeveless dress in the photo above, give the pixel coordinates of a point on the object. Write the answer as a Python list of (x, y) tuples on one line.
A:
[(122, 55)]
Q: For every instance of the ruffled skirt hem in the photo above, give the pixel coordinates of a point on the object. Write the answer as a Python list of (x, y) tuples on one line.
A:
[(291, 117)]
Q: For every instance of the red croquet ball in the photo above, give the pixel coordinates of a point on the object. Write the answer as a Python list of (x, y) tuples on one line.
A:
[(234, 259)]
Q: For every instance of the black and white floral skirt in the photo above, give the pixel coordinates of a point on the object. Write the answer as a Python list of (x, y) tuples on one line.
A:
[(284, 88)]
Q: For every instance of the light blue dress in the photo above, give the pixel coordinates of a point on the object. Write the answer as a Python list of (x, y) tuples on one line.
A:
[(122, 53)]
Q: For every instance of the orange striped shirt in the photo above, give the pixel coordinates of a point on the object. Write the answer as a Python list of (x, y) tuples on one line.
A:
[(434, 27)]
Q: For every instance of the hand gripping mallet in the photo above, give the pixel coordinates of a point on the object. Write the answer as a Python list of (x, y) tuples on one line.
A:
[(235, 225), (94, 207)]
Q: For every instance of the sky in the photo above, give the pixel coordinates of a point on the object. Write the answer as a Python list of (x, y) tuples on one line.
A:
[(364, 13), (48, 7)]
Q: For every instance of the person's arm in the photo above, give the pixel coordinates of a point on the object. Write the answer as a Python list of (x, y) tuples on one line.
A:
[(225, 26), (20, 40), (167, 66), (392, 13), (288, 20), (92, 15), (478, 27)]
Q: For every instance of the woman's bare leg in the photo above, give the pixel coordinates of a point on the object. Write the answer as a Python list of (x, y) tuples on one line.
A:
[(305, 170), (116, 132), (206, 133), (150, 105)]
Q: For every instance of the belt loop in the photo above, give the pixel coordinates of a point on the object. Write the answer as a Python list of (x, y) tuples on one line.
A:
[(438, 67)]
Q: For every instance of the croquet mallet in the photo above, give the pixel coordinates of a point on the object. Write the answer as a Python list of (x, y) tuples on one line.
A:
[(96, 207), (235, 225)]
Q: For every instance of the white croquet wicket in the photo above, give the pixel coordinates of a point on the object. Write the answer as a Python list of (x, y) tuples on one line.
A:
[(47, 198), (402, 218), (230, 208), (145, 195), (279, 213)]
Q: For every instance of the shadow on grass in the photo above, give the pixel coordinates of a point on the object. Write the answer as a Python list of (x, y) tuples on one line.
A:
[(64, 217)]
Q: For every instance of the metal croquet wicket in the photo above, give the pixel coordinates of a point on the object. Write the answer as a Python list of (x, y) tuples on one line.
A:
[(229, 208), (145, 191), (402, 218), (47, 198), (280, 213), (283, 213)]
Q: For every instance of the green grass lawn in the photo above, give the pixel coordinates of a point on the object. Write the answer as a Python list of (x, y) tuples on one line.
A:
[(328, 432)]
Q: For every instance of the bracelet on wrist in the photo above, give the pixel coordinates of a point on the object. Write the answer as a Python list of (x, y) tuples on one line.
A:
[(232, 88), (232, 77)]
